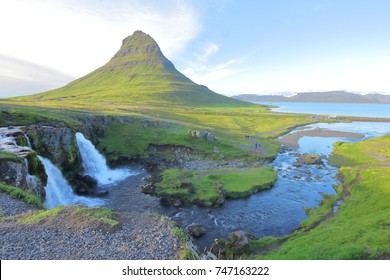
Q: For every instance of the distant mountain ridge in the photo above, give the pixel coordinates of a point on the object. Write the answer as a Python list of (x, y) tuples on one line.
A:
[(138, 73), (325, 97)]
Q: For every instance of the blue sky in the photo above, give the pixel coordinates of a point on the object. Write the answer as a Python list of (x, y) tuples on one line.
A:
[(230, 46)]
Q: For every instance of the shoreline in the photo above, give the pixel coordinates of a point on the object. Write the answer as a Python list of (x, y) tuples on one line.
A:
[(291, 140)]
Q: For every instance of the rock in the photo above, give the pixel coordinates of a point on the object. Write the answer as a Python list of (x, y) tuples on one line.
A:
[(196, 230), (148, 188), (194, 134), (90, 181), (239, 239), (13, 173), (210, 137), (58, 144), (100, 193), (203, 134), (309, 159)]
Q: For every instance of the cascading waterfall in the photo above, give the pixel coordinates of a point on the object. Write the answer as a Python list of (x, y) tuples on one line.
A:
[(58, 190), (95, 164)]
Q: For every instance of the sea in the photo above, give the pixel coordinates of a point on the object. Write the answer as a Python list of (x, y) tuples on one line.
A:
[(333, 109)]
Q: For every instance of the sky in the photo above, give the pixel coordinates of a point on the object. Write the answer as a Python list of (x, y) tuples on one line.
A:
[(231, 46)]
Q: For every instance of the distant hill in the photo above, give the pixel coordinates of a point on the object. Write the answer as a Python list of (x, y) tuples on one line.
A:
[(326, 97), (138, 73)]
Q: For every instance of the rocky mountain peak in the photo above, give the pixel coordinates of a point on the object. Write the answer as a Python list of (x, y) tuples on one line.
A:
[(138, 43)]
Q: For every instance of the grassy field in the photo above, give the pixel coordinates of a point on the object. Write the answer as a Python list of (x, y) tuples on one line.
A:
[(211, 187), (361, 227), (156, 125)]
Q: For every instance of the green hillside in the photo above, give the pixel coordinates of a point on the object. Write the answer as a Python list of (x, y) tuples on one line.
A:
[(138, 73)]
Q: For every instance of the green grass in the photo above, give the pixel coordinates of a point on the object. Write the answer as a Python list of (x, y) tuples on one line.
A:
[(22, 195), (372, 151), (361, 227), (206, 187), (9, 156), (141, 77), (100, 214), (33, 218)]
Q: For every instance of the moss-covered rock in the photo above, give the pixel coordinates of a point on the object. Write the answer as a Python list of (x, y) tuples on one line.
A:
[(59, 145), (309, 159)]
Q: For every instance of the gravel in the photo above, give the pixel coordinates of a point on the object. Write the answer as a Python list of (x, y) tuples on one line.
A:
[(139, 236), (10, 206)]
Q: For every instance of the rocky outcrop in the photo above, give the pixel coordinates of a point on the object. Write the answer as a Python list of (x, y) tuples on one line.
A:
[(13, 173), (58, 144), (19, 165)]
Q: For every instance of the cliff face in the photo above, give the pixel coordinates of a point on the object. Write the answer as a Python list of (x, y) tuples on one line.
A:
[(19, 165), (58, 144)]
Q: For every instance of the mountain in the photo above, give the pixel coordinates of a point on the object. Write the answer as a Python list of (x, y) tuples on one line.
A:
[(257, 98), (325, 97), (138, 73)]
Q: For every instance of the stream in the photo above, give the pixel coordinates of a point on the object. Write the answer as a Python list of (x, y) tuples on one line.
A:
[(277, 211)]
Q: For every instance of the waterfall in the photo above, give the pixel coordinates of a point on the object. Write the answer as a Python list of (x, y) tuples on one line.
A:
[(95, 164), (58, 190)]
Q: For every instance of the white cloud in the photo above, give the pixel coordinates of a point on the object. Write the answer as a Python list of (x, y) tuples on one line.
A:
[(209, 50), (77, 36), (19, 77), (202, 71), (205, 74)]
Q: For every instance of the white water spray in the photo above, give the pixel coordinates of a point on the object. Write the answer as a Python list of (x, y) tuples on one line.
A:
[(95, 164), (58, 190)]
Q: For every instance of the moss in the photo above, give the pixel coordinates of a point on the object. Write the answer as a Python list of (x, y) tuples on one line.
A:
[(40, 216), (184, 253), (22, 195), (21, 141), (9, 156), (36, 167), (100, 214)]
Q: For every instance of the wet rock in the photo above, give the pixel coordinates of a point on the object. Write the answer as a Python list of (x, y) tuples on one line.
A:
[(196, 230), (100, 193), (89, 181), (58, 144), (309, 159), (148, 188), (239, 239)]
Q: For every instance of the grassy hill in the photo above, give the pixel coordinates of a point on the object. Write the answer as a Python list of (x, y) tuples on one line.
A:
[(137, 74)]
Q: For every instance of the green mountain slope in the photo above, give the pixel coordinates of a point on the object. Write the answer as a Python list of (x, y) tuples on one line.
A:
[(138, 73)]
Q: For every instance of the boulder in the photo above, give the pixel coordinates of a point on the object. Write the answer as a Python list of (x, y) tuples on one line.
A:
[(148, 188), (239, 239), (309, 159), (196, 230), (89, 181), (210, 137), (203, 134)]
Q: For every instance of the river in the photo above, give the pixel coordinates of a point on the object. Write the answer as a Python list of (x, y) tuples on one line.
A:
[(277, 211)]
